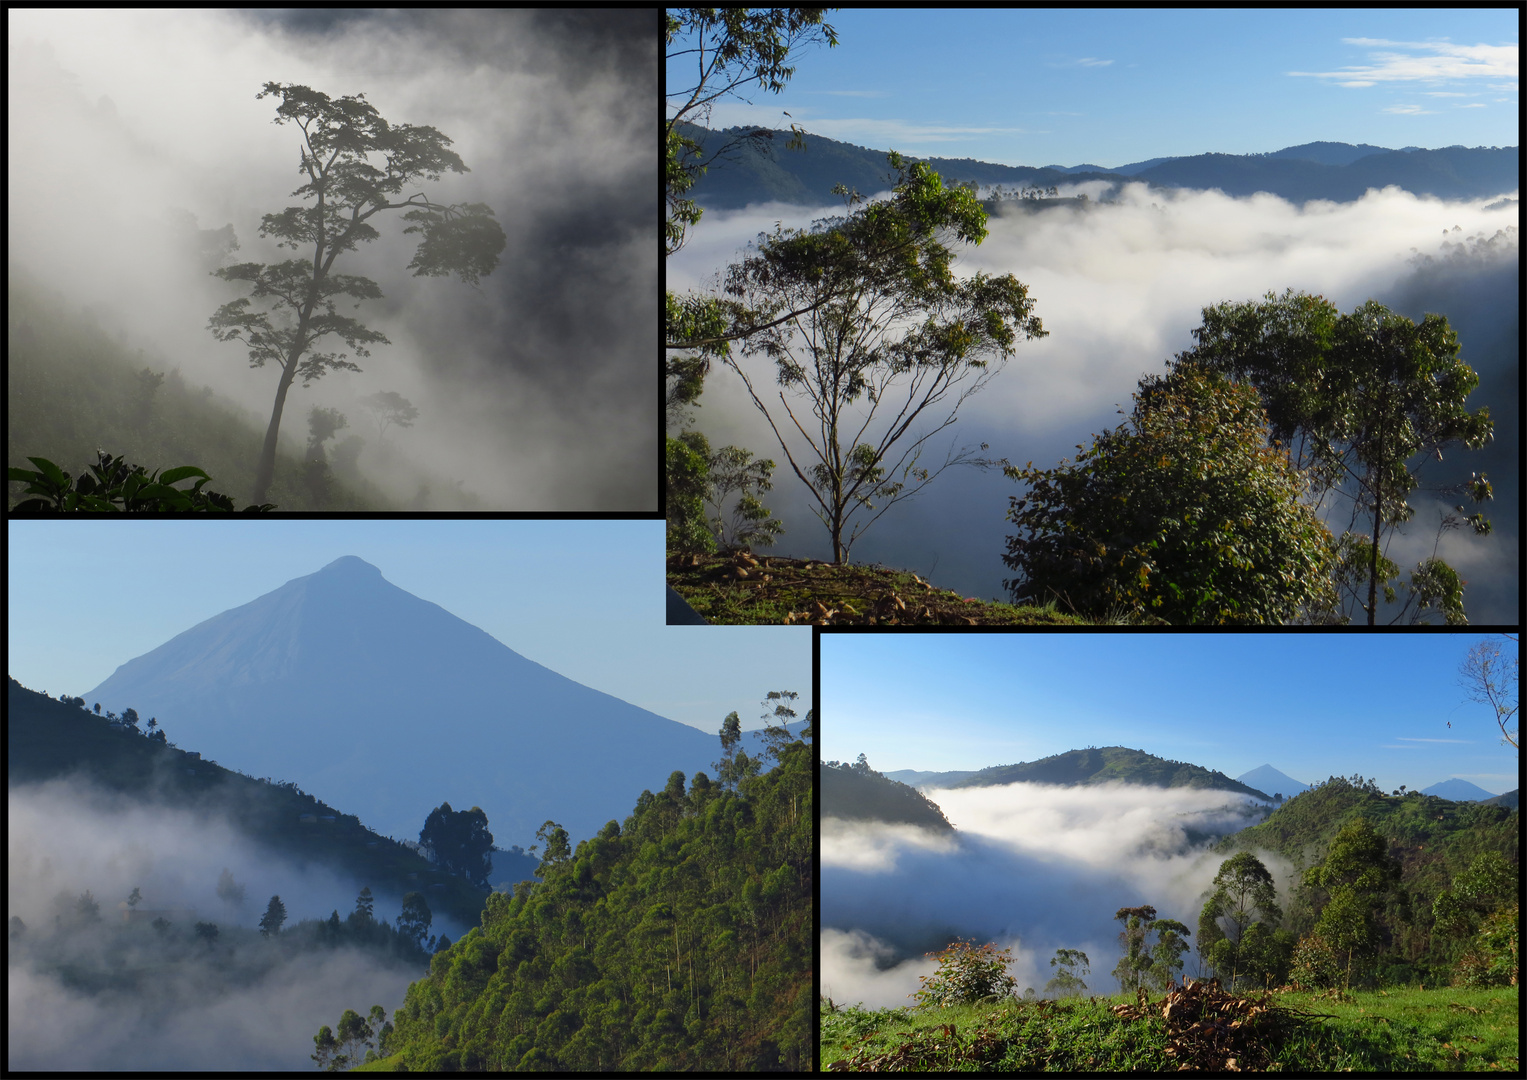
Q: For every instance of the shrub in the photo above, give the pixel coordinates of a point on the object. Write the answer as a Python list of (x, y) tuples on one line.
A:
[(1315, 963), (1492, 959), (966, 974)]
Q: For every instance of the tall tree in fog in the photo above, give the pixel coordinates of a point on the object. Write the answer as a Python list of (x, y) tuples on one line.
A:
[(1364, 401), (870, 329), (338, 138), (1182, 514)]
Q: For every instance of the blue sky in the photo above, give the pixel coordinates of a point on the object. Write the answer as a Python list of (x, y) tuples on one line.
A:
[(584, 598), (1109, 87), (1310, 705)]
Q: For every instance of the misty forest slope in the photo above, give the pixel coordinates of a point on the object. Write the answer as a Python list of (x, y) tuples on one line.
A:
[(71, 388), (1100, 765), (746, 175), (677, 941), (47, 738), (859, 793)]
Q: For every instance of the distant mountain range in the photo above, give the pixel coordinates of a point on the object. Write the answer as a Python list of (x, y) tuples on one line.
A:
[(1100, 765), (1459, 791), (927, 779), (1267, 778), (389, 705), (1340, 172)]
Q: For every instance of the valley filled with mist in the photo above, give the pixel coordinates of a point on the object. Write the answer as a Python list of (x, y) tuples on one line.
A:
[(140, 160), (1032, 866), (1120, 279)]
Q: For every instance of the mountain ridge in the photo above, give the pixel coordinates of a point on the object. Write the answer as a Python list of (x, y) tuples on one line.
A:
[(1101, 765), (1340, 172)]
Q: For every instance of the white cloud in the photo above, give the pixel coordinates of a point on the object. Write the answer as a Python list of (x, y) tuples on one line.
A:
[(1431, 61), (66, 837), (1036, 868), (1409, 110), (1120, 288)]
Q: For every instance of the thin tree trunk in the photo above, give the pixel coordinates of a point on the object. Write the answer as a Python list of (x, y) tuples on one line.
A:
[(267, 468), (1373, 562)]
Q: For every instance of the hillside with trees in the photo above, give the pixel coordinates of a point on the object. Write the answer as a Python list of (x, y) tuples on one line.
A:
[(1100, 765), (1438, 870), (859, 793), (679, 940)]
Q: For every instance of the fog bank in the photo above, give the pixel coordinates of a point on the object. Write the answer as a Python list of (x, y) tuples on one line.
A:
[(130, 130), (1036, 867), (1120, 287), (238, 1003)]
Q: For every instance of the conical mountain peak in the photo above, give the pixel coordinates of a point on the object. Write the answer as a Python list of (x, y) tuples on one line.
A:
[(388, 705)]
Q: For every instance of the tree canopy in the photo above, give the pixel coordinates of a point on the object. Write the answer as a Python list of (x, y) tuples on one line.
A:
[(338, 139)]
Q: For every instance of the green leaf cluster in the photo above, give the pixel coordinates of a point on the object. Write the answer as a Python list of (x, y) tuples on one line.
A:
[(112, 485), (1185, 513), (678, 941), (966, 974)]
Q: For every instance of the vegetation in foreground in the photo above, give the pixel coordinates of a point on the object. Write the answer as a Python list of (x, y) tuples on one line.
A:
[(1420, 1030), (741, 588), (676, 941)]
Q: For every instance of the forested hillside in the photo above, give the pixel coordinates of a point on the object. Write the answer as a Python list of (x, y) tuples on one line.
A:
[(680, 940), (857, 792), (1099, 765), (1435, 842)]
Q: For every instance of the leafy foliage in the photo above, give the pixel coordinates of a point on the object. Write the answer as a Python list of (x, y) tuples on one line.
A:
[(460, 842), (678, 940), (338, 138), (880, 317), (966, 974), (1183, 513), (112, 485), (1369, 396)]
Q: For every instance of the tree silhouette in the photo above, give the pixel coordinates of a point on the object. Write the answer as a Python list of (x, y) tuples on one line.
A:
[(388, 407), (275, 915), (460, 841), (338, 139)]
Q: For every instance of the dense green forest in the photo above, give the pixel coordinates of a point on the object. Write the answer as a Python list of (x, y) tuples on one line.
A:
[(1435, 844), (679, 940), (857, 792), (1099, 765), (48, 738)]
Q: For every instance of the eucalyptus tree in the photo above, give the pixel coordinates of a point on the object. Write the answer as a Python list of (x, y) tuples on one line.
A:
[(1363, 401), (1243, 890), (867, 324), (346, 191)]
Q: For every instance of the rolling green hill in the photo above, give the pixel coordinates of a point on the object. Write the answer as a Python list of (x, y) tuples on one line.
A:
[(48, 738), (1099, 765), (859, 793)]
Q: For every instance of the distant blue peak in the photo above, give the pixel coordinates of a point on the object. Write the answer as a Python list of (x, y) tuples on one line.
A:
[(351, 564)]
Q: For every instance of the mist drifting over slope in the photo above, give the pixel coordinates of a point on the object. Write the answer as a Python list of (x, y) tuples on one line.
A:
[(1035, 867), (219, 1007), (1120, 288), (131, 130)]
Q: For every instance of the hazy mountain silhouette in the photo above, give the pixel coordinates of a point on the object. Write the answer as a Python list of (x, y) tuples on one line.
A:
[(1267, 778), (1340, 172), (1459, 791), (388, 705)]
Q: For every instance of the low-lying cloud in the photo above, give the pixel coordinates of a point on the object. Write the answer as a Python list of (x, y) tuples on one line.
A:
[(221, 1007), (129, 129), (1035, 867), (1120, 287)]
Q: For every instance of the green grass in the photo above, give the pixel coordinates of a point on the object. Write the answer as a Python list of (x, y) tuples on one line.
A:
[(1399, 1030), (772, 589)]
